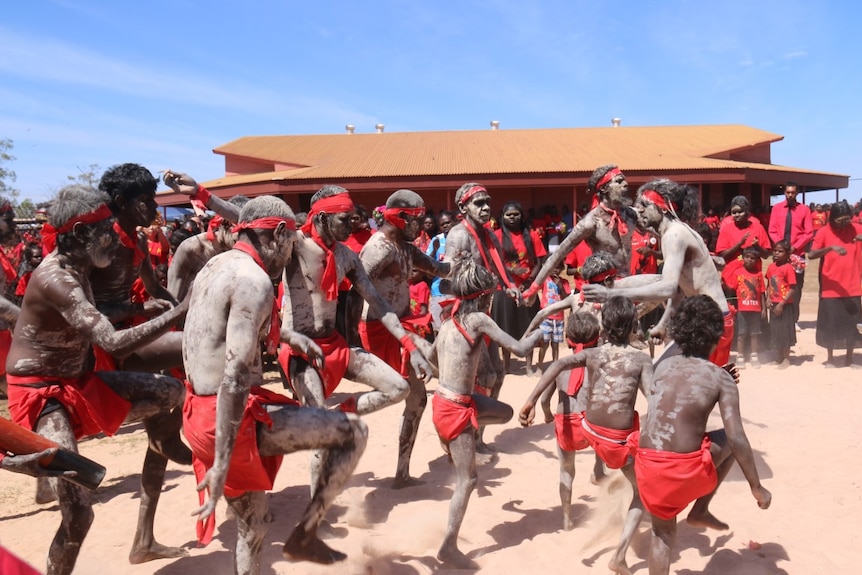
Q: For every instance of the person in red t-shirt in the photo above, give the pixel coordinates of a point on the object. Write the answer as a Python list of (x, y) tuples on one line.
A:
[(738, 232), (839, 244), (575, 260), (750, 290), (780, 280)]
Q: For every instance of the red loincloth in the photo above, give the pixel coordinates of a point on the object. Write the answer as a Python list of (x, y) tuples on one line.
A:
[(669, 481), (336, 353), (12, 565), (570, 433), (377, 339), (721, 355), (5, 345), (610, 444), (248, 469), (93, 407), (453, 413)]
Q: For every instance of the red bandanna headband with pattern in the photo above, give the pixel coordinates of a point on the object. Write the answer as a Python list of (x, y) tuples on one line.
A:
[(600, 277), (49, 234), (472, 192), (103, 212), (657, 199), (268, 223), (393, 215), (337, 204), (610, 175)]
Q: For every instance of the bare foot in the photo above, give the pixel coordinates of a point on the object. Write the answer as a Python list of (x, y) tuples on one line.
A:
[(485, 458), (597, 479), (705, 519), (482, 447), (155, 551), (173, 448), (454, 558), (400, 482), (619, 567), (568, 524), (302, 546)]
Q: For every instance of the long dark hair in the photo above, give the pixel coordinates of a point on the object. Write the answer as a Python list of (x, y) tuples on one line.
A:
[(509, 252)]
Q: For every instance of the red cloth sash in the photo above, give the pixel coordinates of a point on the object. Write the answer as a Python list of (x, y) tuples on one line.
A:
[(617, 223), (377, 339), (336, 354), (610, 444), (93, 406), (12, 565), (669, 481), (5, 345), (273, 338), (486, 247), (248, 469), (9, 269), (453, 414), (570, 434), (131, 243), (721, 355)]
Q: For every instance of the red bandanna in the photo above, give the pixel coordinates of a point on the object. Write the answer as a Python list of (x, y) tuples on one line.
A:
[(8, 268), (668, 482), (337, 204), (610, 175), (657, 199), (377, 339), (616, 222), (131, 243), (267, 223), (274, 336), (611, 444), (453, 413), (336, 355), (486, 247), (472, 192), (248, 470), (212, 227), (93, 407), (602, 276), (49, 232), (393, 215), (569, 432)]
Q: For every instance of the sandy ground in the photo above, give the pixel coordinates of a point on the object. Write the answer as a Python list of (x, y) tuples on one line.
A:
[(513, 523)]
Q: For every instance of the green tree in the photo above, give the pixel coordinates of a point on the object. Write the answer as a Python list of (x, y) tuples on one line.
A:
[(88, 177), (26, 210), (7, 176)]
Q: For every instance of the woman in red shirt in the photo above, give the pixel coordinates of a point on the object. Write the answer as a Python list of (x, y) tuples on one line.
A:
[(736, 233), (839, 244)]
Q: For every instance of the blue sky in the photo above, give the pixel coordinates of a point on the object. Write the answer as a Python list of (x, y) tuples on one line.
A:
[(162, 83)]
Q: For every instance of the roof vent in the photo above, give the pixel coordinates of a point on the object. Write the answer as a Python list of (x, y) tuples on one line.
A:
[(616, 122), (379, 128), (350, 128), (495, 124)]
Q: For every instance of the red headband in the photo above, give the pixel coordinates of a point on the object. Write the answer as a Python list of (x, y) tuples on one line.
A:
[(472, 192), (393, 215), (584, 345), (103, 212), (600, 277), (657, 199), (268, 223), (610, 175), (337, 204)]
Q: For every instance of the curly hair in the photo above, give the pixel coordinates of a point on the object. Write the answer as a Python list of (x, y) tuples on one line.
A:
[(595, 264), (468, 280), (619, 317), (127, 181), (582, 327), (697, 325), (682, 197)]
